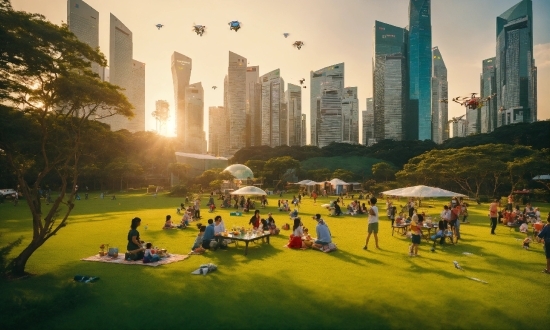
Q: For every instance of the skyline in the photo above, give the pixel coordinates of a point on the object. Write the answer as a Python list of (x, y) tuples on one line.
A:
[(261, 41)]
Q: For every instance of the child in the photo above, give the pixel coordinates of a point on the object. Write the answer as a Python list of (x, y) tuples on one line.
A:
[(526, 242), (149, 255), (265, 225), (168, 222), (416, 230), (272, 227), (197, 246), (212, 207)]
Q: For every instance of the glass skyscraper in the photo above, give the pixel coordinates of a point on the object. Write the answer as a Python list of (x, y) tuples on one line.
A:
[(515, 65), (253, 108), (272, 99), (440, 91), (83, 21), (488, 87), (194, 137), (350, 116), (390, 88), (368, 123), (294, 102), (181, 66), (419, 123), (235, 102)]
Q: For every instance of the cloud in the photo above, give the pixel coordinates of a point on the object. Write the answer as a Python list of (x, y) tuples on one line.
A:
[(542, 55)]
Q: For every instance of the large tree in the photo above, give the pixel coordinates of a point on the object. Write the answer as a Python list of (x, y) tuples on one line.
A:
[(50, 98)]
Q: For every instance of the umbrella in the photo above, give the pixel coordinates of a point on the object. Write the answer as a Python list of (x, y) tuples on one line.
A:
[(249, 190), (303, 182), (422, 191)]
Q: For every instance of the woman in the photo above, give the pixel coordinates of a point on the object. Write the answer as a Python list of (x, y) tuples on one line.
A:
[(545, 235), (255, 220), (295, 241), (134, 246), (416, 230)]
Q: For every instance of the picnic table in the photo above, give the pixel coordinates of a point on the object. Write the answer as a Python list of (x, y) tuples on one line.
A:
[(247, 238), (400, 228)]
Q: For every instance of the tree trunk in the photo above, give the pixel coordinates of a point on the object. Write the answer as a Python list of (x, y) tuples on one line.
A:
[(20, 262)]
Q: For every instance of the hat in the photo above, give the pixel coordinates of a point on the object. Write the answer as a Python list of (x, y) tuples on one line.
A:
[(317, 216)]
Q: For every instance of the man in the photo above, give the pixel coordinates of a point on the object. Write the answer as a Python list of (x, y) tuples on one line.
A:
[(446, 214), (373, 223), (208, 235), (219, 229), (197, 207), (323, 233), (493, 214), (455, 214), (545, 235)]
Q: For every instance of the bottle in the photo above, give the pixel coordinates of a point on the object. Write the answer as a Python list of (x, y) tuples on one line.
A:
[(146, 226)]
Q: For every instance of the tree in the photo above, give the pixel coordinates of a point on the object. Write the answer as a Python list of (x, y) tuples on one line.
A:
[(277, 167), (319, 175), (49, 97), (383, 171), (161, 114), (343, 175)]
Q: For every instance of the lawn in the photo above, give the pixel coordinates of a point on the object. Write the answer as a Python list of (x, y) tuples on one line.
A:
[(273, 287)]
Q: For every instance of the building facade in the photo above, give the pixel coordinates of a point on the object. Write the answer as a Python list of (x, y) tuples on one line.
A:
[(253, 106), (368, 123), (193, 136), (136, 96), (294, 106), (420, 67), (515, 65), (350, 116), (326, 87), (459, 128), (488, 88), (390, 81), (272, 100), (235, 103), (181, 67), (216, 130), (440, 98)]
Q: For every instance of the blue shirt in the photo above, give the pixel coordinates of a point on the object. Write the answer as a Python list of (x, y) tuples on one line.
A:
[(323, 233), (545, 233), (208, 233)]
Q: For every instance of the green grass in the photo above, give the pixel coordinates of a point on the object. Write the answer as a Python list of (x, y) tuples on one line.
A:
[(272, 287)]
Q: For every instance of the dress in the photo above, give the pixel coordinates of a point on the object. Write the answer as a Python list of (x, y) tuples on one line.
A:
[(131, 245), (295, 241)]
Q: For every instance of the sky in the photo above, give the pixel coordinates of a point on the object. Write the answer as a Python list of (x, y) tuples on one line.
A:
[(333, 31)]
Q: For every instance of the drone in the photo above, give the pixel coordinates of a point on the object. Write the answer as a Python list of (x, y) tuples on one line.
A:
[(305, 86), (302, 81), (298, 44), (234, 25), (199, 29), (286, 34), (214, 87), (159, 26), (472, 102), (456, 119)]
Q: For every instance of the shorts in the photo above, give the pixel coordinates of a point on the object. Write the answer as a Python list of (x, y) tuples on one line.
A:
[(320, 242), (373, 227), (415, 239)]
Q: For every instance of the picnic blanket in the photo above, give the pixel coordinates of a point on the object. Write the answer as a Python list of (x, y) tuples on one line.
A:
[(120, 260)]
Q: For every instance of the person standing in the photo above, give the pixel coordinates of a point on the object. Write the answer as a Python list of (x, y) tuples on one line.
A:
[(373, 223), (493, 214), (510, 205), (314, 196)]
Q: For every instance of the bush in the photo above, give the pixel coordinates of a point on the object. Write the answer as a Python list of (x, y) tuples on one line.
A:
[(179, 191)]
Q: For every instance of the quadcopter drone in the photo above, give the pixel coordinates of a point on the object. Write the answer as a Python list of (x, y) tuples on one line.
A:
[(214, 87), (472, 102), (302, 81), (199, 29), (298, 44), (234, 25), (286, 34), (456, 119), (159, 26)]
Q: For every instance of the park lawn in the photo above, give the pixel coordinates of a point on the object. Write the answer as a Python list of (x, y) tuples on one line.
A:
[(272, 287)]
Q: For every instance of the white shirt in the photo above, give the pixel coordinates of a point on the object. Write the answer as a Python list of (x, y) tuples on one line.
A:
[(373, 218), (299, 231), (219, 228), (446, 215)]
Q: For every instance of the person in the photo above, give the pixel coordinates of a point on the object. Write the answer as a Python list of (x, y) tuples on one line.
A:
[(393, 211), (323, 234), (442, 228), (197, 208), (255, 220), (337, 209), (211, 199), (149, 256), (373, 223), (465, 212), (219, 229), (416, 230), (493, 214), (208, 235), (134, 246), (455, 215), (168, 223), (272, 227), (510, 202), (314, 196), (295, 239), (545, 235), (184, 220), (410, 205), (197, 246)]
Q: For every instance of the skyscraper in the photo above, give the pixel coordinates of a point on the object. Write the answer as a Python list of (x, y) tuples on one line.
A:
[(235, 94), (181, 66), (216, 129), (515, 65), (459, 128), (294, 105), (350, 116), (368, 123), (440, 92), (194, 137), (420, 70), (136, 96), (272, 99), (304, 128), (83, 21), (390, 89), (253, 107), (488, 87), (326, 87)]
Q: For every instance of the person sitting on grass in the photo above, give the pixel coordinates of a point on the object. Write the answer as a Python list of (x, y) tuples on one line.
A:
[(185, 220), (323, 233), (149, 256), (255, 220), (197, 246), (134, 247), (295, 241), (273, 230), (208, 235), (337, 209), (168, 223)]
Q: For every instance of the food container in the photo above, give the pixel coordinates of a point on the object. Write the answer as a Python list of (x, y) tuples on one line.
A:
[(101, 253)]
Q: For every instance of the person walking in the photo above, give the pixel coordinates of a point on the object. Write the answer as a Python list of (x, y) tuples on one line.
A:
[(373, 223), (493, 214)]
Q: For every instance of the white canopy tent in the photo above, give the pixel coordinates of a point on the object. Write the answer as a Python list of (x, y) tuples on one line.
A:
[(542, 177), (422, 191), (249, 190)]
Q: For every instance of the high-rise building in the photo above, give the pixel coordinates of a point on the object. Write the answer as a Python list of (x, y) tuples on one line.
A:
[(83, 21), (272, 100), (294, 104), (161, 115), (515, 65), (350, 116), (420, 70), (304, 127), (326, 87), (459, 128), (194, 138), (181, 66), (488, 88), (136, 96), (253, 107), (440, 98), (216, 129), (283, 124), (235, 94), (390, 89), (473, 121), (368, 123)]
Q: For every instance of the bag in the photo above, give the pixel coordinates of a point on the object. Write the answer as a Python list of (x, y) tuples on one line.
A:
[(130, 256), (286, 226), (213, 244)]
